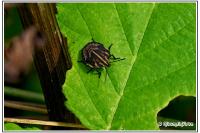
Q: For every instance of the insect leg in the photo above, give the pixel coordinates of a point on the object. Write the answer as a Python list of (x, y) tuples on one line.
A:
[(115, 59), (99, 74), (90, 70), (110, 47)]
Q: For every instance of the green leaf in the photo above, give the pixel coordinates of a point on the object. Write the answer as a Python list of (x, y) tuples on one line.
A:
[(13, 126), (158, 42)]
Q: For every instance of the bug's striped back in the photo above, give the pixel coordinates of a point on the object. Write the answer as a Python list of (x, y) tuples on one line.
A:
[(95, 55)]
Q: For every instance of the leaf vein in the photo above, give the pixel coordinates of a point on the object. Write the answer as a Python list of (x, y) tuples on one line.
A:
[(168, 38), (90, 97), (153, 9), (123, 28)]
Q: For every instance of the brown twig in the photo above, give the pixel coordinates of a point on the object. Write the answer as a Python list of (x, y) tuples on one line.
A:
[(25, 106), (53, 60), (39, 122)]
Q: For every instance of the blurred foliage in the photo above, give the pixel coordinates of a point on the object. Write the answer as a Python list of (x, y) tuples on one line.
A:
[(13, 27), (23, 94), (31, 83), (13, 126), (12, 24)]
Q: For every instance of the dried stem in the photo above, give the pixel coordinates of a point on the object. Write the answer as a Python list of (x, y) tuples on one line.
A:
[(53, 60), (26, 106), (39, 122)]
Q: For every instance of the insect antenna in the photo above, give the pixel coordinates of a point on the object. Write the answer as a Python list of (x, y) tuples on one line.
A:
[(93, 40)]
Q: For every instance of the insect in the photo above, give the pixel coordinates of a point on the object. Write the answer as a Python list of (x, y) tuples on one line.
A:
[(96, 56)]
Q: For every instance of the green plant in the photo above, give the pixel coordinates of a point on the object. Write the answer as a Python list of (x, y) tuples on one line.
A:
[(13, 126), (158, 42)]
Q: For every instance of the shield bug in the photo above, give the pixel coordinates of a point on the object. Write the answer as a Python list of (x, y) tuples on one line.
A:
[(96, 56)]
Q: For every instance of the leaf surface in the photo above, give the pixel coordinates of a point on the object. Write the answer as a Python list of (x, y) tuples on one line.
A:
[(13, 126), (158, 42)]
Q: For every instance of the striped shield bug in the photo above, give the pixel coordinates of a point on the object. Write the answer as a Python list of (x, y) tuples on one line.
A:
[(96, 56)]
